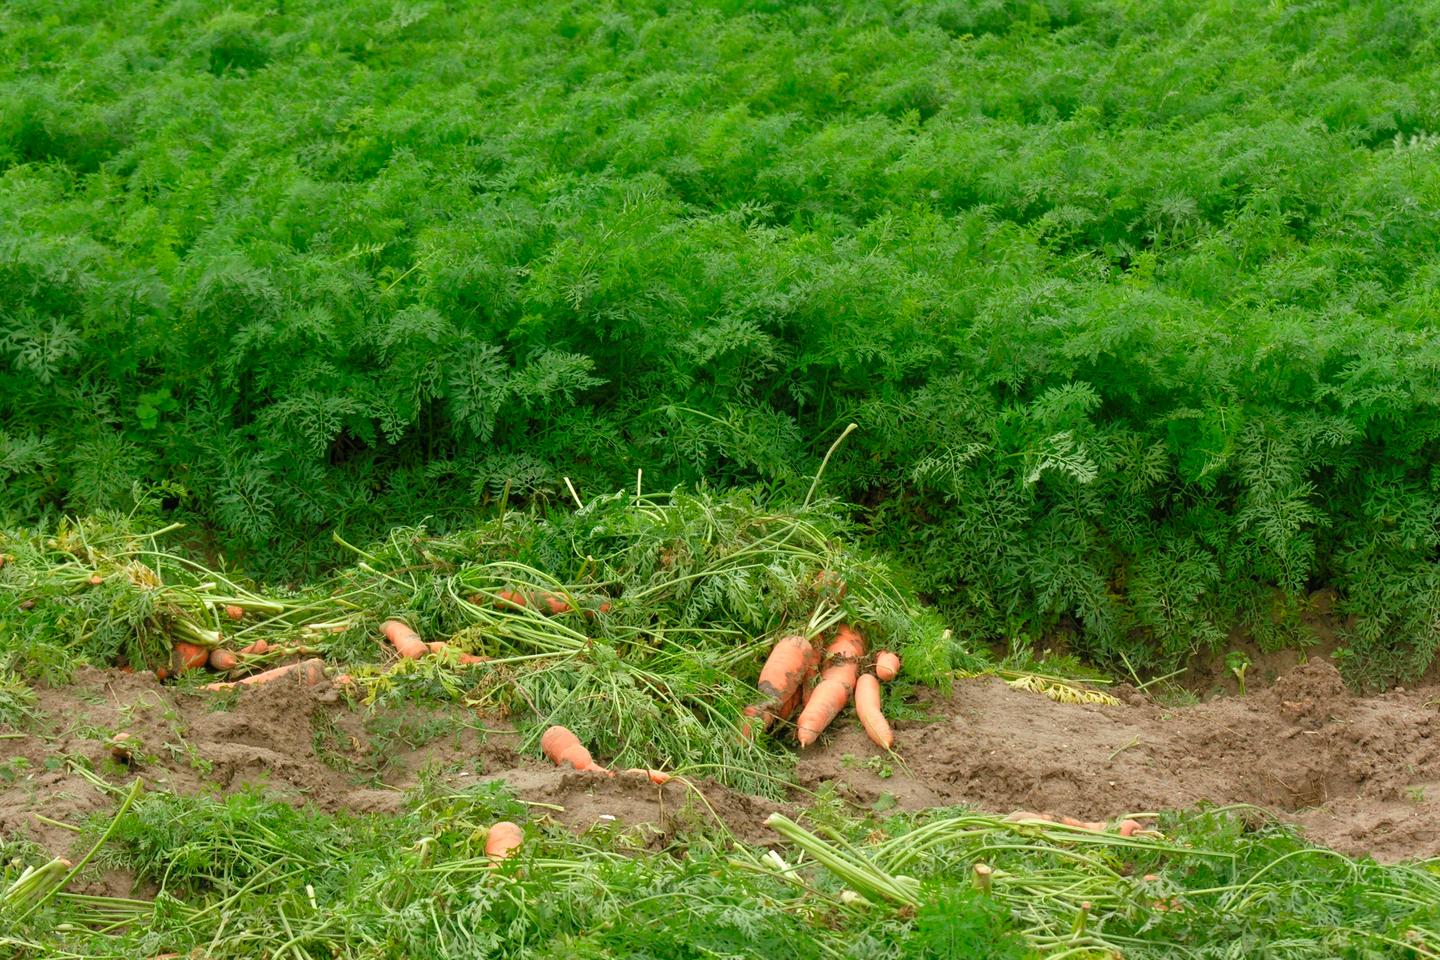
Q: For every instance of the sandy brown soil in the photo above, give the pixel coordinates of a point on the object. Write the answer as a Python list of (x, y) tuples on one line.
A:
[(1359, 774)]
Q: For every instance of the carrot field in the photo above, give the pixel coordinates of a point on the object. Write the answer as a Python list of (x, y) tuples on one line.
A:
[(717, 480)]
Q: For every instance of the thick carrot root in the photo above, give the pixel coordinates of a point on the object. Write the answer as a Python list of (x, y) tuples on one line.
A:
[(836, 683), (563, 747), (406, 641), (792, 661), (867, 708), (503, 839)]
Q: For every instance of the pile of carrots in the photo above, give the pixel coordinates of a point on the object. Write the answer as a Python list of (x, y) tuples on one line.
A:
[(789, 682)]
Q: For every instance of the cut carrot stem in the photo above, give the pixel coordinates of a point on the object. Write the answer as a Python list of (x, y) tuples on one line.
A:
[(867, 708)]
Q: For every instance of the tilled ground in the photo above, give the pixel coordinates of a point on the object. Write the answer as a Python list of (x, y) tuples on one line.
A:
[(1359, 774)]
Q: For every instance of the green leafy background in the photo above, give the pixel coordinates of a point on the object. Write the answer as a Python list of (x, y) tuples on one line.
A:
[(1132, 302)]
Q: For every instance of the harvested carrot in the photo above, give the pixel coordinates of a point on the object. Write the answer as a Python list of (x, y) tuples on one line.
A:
[(436, 646), (867, 708), (657, 777), (502, 840), (234, 612), (406, 642), (551, 604), (1022, 815), (189, 656), (96, 579), (259, 646), (223, 660), (837, 681), (511, 597), (1128, 827), (791, 661), (311, 672), (563, 747), (887, 665)]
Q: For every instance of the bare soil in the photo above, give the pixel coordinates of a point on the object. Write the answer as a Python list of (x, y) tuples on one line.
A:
[(1361, 775)]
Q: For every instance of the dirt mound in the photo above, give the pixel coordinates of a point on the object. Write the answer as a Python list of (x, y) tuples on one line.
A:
[(1359, 774)]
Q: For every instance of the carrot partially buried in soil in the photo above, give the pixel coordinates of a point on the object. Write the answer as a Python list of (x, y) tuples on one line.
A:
[(657, 777), (310, 671), (867, 708), (837, 681), (503, 839), (406, 641), (791, 662), (563, 747)]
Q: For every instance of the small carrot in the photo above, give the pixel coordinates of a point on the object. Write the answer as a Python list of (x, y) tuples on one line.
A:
[(550, 604), (867, 708), (189, 656), (223, 660), (887, 665), (511, 598), (259, 646), (502, 840), (406, 642), (657, 777), (1129, 827), (234, 612), (311, 672), (437, 646), (96, 579)]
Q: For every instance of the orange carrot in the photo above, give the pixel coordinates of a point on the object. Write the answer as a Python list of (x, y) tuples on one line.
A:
[(510, 598), (657, 777), (791, 660), (406, 642), (436, 646), (502, 840), (867, 708), (1020, 815), (223, 660), (563, 747), (836, 682), (1128, 827), (550, 604), (189, 656), (96, 580), (234, 612), (887, 665), (259, 646), (311, 672)]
